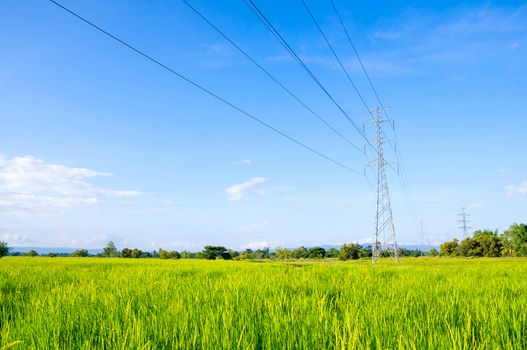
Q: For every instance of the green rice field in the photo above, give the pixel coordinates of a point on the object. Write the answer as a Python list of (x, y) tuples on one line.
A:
[(420, 303)]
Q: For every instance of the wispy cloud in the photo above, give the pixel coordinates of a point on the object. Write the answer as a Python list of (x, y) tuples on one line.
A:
[(520, 190), (28, 184), (218, 55), (406, 45), (460, 35), (245, 189), (243, 162)]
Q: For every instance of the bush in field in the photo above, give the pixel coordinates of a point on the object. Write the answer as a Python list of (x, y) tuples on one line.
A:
[(4, 249)]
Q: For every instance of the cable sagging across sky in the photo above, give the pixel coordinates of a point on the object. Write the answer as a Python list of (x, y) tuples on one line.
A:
[(209, 92)]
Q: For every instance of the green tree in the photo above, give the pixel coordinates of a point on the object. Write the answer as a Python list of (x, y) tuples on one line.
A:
[(163, 254), (174, 255), (449, 248), (466, 247), (4, 249), (244, 256), (215, 252), (80, 253), (332, 253), (488, 245), (126, 253), (433, 252), (32, 253), (136, 253), (349, 252), (485, 233), (299, 253), (515, 240), (166, 254), (282, 253), (366, 252), (316, 253), (262, 253), (233, 253), (186, 255), (110, 250)]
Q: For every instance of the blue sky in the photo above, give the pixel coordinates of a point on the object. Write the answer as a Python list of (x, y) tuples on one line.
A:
[(99, 144)]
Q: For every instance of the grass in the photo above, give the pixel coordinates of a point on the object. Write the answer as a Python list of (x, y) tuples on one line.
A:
[(69, 303)]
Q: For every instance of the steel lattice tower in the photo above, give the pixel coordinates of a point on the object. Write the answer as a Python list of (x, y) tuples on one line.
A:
[(464, 222), (384, 238)]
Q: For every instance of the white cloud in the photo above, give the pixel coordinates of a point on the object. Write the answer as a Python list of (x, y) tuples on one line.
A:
[(28, 184), (521, 189), (243, 162), (9, 238), (246, 189), (461, 35), (256, 245)]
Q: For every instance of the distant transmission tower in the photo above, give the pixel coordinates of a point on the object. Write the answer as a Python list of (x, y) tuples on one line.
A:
[(463, 221), (423, 241), (384, 238)]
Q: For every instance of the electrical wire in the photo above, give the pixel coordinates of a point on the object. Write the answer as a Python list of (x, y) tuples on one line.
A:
[(273, 78), (261, 16), (203, 89)]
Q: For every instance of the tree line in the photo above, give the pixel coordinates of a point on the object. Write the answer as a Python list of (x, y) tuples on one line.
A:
[(487, 243), (483, 243), (349, 251)]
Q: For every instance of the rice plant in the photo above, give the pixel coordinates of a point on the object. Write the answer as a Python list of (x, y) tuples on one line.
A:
[(90, 303)]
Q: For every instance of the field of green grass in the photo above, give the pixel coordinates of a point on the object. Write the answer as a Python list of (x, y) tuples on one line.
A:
[(90, 303)]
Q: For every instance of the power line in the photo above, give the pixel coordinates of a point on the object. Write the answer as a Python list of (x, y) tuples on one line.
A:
[(402, 177), (259, 14), (273, 78), (336, 56), (200, 87), (399, 158), (356, 53)]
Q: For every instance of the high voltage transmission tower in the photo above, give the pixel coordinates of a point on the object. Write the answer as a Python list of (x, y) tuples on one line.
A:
[(463, 221), (384, 238), (422, 234)]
